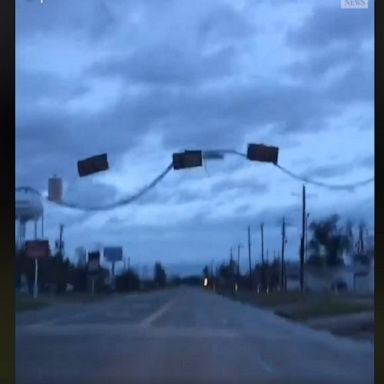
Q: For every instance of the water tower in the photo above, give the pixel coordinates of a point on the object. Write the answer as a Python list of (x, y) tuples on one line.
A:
[(28, 208)]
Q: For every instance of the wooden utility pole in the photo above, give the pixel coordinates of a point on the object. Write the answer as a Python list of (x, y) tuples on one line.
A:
[(282, 276), (302, 247), (249, 257), (262, 257), (238, 262), (61, 245)]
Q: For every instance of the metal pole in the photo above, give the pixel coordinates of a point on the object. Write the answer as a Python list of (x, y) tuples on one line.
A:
[(249, 257), (302, 245), (42, 226), (306, 237), (238, 259), (262, 257), (238, 264), (35, 229), (35, 286), (282, 277)]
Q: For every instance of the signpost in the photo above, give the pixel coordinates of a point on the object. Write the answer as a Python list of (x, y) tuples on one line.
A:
[(113, 255), (37, 249), (93, 267)]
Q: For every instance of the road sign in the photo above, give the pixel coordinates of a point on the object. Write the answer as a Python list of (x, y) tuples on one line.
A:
[(264, 153), (92, 165), (37, 249), (113, 254), (213, 155), (93, 262)]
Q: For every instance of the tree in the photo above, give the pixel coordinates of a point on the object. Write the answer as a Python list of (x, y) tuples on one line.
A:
[(160, 277), (127, 281), (206, 273), (329, 241)]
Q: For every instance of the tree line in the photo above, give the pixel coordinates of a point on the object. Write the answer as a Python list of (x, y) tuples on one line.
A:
[(331, 242), (58, 275)]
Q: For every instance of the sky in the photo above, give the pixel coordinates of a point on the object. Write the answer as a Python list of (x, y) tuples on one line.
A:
[(142, 79)]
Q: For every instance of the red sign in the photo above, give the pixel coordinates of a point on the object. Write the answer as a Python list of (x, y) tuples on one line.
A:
[(37, 249)]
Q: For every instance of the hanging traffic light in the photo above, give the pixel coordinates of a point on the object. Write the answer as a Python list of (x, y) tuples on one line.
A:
[(264, 153), (187, 159), (92, 165)]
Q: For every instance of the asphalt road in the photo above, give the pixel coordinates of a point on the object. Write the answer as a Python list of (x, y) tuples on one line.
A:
[(181, 335)]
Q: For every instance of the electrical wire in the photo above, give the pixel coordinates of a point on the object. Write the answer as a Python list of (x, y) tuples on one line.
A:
[(121, 202), (326, 185), (152, 184)]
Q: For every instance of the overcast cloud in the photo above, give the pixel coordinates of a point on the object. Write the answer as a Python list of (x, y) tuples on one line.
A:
[(143, 79)]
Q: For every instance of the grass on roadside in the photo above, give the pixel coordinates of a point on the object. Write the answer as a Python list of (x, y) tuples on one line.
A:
[(324, 308), (267, 300), (301, 306), (29, 304)]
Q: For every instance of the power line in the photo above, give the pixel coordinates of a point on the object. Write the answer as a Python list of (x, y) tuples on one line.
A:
[(121, 202), (326, 185), (152, 184), (307, 180)]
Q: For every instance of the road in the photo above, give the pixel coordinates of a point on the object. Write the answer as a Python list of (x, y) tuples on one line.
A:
[(183, 335)]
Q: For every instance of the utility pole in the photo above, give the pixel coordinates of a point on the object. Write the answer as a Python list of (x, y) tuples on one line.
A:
[(61, 240), (267, 272), (302, 244), (282, 276), (306, 236), (238, 263), (249, 257), (262, 257)]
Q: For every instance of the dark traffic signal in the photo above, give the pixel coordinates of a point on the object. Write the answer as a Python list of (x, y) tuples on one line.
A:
[(92, 165), (187, 159), (264, 153)]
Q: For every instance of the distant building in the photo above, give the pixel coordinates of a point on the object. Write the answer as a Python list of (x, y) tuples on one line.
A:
[(354, 278)]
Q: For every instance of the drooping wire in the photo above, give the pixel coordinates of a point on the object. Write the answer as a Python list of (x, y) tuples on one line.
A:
[(118, 203), (326, 185), (350, 186)]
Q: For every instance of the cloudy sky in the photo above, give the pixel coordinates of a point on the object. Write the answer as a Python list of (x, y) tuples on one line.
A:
[(141, 79)]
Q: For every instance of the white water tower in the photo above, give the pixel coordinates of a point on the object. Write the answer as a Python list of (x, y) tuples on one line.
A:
[(29, 207)]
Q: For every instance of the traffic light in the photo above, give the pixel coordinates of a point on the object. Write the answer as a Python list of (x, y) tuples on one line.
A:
[(264, 153), (187, 159), (92, 165)]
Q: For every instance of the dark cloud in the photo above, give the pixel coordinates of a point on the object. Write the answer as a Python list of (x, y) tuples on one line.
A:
[(356, 84), (187, 117), (329, 25), (91, 19), (319, 63), (168, 64), (335, 41), (224, 25), (325, 171), (341, 169), (179, 65), (242, 186), (90, 193)]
